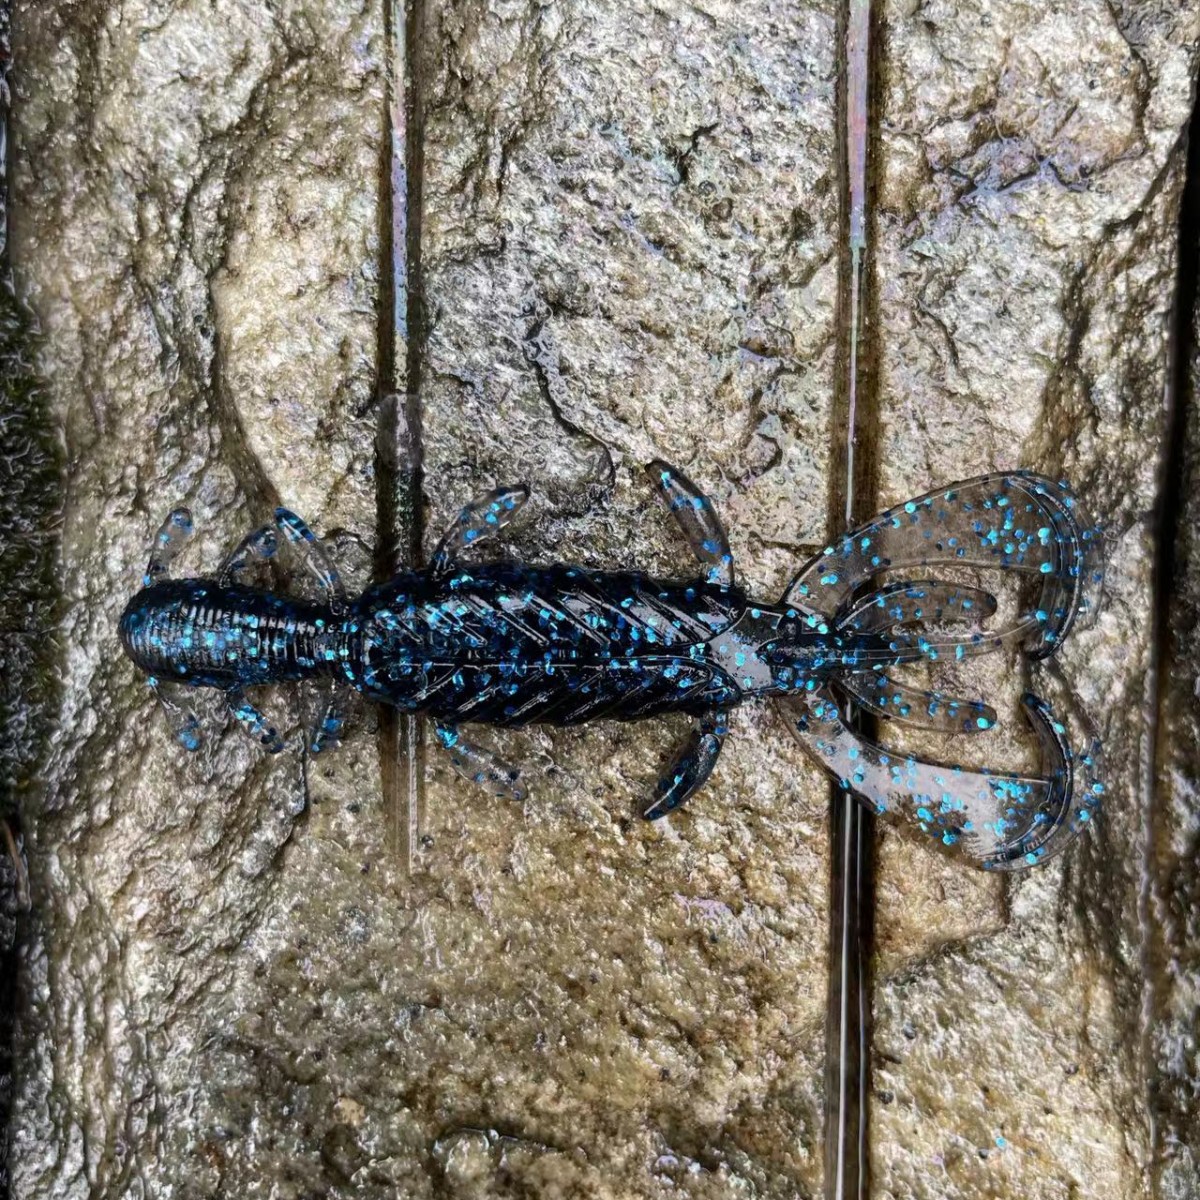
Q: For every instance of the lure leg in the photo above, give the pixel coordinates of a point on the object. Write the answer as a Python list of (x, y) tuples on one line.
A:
[(172, 536), (254, 725), (326, 731), (182, 721), (481, 519), (254, 548), (314, 557), (697, 518), (480, 766), (691, 767)]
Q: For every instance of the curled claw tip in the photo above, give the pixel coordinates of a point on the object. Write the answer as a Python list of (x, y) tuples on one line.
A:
[(992, 819)]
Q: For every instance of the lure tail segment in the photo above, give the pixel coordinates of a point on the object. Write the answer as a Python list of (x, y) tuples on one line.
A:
[(1016, 523)]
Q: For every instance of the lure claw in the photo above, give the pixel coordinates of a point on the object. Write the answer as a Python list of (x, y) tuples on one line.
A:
[(993, 819)]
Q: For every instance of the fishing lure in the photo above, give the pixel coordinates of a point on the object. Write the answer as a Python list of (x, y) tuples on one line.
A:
[(509, 644)]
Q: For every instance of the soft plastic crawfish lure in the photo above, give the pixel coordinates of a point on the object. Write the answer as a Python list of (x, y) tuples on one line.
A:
[(512, 644)]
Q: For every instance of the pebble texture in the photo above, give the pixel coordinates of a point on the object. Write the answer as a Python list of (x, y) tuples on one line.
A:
[(1031, 167), (628, 247)]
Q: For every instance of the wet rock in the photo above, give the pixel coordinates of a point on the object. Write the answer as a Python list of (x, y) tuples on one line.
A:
[(627, 234), (1026, 253), (30, 496), (1173, 957), (579, 209), (628, 251), (171, 164)]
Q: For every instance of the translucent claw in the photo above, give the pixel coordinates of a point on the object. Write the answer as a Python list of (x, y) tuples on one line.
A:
[(314, 557), (255, 548), (1071, 589), (991, 819), (920, 708), (253, 724), (480, 766), (690, 768), (1018, 522), (928, 602), (172, 536), (481, 519), (697, 519), (933, 610)]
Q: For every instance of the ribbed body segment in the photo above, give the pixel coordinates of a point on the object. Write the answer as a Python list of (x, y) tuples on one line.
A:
[(508, 644), (502, 645)]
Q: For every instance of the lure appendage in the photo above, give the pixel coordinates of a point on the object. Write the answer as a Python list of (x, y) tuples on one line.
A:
[(508, 644)]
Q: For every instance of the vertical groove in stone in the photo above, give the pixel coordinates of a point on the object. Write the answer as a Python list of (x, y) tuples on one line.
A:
[(853, 488), (399, 458), (1160, 913)]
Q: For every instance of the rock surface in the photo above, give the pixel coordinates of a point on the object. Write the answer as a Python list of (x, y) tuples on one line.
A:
[(1173, 955), (195, 227), (1031, 167), (628, 245), (628, 232)]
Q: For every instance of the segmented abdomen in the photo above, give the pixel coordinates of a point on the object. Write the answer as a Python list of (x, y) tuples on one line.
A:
[(514, 645)]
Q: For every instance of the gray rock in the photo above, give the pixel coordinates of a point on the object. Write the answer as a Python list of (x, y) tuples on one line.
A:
[(628, 238), (1031, 170), (629, 250), (1173, 951), (195, 225)]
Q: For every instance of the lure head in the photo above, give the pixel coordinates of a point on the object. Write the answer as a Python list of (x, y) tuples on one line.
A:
[(195, 632), (208, 634)]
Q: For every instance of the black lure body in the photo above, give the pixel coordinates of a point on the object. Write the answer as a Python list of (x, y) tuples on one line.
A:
[(509, 644)]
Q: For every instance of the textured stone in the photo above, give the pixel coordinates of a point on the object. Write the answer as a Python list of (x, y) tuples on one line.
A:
[(195, 226), (629, 250), (30, 485), (1031, 166), (628, 239), (1173, 955)]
